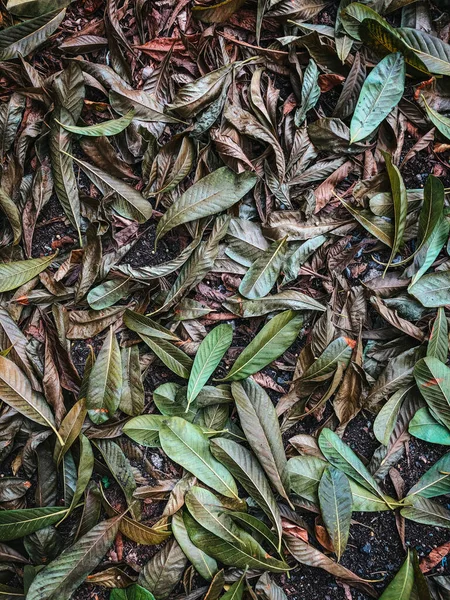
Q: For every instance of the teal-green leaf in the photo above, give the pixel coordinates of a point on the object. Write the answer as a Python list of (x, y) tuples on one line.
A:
[(432, 290), (188, 446), (335, 498), (209, 355), (433, 380), (435, 482), (425, 427), (111, 127), (381, 92), (401, 586)]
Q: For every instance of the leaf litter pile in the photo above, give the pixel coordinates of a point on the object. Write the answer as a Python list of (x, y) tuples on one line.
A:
[(224, 282)]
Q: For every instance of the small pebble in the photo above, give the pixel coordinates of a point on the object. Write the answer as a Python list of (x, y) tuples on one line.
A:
[(367, 548)]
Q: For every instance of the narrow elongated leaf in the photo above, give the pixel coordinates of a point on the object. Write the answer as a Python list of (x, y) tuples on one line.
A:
[(62, 169), (381, 91), (211, 514), (244, 466), (16, 273), (289, 299), (273, 339), (105, 381), (433, 380), (120, 469), (385, 420), (174, 358), (142, 324), (16, 391), (112, 127), (435, 482), (128, 202), (132, 394), (15, 524), (260, 424), (203, 564), (425, 427), (433, 52), (262, 275), (209, 355), (310, 92), (108, 293), (21, 39), (214, 193), (70, 428), (339, 352), (401, 586), (188, 446), (236, 590), (400, 202), (427, 512), (63, 576), (343, 458), (438, 342), (85, 468), (248, 553), (440, 121), (336, 500)]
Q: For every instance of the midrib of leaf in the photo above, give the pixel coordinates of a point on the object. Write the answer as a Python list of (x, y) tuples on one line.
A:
[(333, 360), (108, 365), (231, 373), (431, 484), (269, 262), (408, 567), (336, 507), (377, 98), (203, 461), (202, 370)]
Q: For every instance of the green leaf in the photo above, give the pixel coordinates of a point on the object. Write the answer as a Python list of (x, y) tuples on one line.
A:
[(132, 395), (108, 293), (335, 499), (438, 341), (85, 468), (435, 482), (187, 445), (205, 566), (236, 590), (244, 467), (400, 202), (259, 422), (105, 381), (112, 127), (247, 554), (433, 52), (433, 289), (16, 391), (381, 92), (425, 427), (21, 39), (384, 39), (174, 358), (142, 324), (401, 586), (16, 273), (209, 355), (426, 512), (353, 15), (211, 514), (212, 194), (8, 207), (255, 523), (298, 253), (264, 272), (433, 380), (127, 201), (440, 121), (270, 343), (377, 226), (339, 352), (163, 571), (67, 572), (305, 473), (343, 458), (15, 524), (134, 592), (310, 92), (70, 429), (60, 144), (144, 429), (217, 13), (385, 420)]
